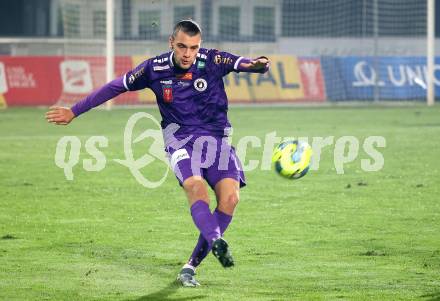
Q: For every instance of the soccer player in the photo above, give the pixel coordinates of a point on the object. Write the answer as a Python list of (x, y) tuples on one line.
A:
[(188, 84)]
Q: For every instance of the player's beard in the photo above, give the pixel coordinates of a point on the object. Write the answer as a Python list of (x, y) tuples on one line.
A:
[(180, 65), (185, 66)]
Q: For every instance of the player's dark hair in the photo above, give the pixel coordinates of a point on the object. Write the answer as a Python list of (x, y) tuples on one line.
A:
[(189, 27)]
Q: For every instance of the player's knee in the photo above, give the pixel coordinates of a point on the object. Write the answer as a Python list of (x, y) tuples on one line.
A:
[(195, 188), (234, 199), (231, 200)]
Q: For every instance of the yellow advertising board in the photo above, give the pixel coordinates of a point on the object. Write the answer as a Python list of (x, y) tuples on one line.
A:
[(3, 103), (281, 83)]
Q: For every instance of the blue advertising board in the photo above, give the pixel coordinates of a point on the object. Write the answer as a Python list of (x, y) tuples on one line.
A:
[(397, 78)]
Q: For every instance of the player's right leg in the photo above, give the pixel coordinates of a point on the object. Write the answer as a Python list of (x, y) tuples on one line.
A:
[(186, 276), (197, 194)]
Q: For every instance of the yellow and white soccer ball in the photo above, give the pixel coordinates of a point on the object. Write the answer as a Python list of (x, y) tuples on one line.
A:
[(291, 159)]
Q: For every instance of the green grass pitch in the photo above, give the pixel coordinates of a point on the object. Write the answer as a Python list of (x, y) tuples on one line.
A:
[(357, 236)]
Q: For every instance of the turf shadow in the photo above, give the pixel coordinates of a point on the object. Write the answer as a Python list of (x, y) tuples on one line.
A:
[(432, 297), (163, 294)]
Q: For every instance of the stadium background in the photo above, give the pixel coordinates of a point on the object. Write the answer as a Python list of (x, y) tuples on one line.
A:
[(321, 50), (360, 235)]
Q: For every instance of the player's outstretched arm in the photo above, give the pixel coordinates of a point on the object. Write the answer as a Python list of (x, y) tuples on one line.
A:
[(63, 116), (59, 115), (259, 65)]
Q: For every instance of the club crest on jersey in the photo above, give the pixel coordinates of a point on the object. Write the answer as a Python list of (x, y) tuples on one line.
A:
[(167, 92), (200, 84)]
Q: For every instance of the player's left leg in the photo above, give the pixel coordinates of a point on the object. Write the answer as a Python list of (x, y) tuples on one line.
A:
[(227, 194)]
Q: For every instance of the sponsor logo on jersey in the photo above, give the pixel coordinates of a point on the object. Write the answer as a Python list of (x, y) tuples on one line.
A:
[(200, 65), (200, 84), (218, 59), (183, 84), (167, 92), (76, 77), (166, 82), (131, 79), (185, 76), (136, 75), (160, 68)]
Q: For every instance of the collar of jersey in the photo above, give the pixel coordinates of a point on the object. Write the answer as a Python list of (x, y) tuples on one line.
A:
[(170, 59)]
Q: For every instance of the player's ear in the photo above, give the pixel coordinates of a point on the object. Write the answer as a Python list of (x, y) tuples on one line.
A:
[(171, 41)]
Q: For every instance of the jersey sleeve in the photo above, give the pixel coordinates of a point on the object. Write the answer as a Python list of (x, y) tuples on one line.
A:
[(138, 78), (99, 96), (222, 62)]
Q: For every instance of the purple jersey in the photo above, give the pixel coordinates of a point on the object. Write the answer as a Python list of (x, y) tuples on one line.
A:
[(195, 98)]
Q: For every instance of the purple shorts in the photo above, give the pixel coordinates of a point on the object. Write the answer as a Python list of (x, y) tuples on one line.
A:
[(210, 157)]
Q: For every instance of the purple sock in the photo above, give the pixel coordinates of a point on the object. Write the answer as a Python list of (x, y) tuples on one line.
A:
[(223, 220), (202, 248), (205, 221)]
